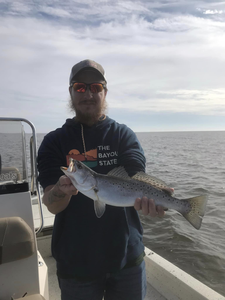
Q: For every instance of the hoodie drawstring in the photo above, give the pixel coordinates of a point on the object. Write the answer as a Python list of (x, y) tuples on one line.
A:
[(82, 134), (102, 118)]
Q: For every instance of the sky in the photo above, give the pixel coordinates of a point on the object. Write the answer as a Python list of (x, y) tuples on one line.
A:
[(164, 60)]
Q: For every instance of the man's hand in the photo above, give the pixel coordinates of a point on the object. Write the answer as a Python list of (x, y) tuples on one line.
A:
[(65, 185), (168, 190), (57, 197), (148, 207)]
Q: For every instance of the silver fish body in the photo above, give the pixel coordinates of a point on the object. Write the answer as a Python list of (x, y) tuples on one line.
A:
[(118, 189)]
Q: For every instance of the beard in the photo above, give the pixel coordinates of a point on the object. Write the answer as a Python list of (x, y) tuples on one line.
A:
[(88, 118)]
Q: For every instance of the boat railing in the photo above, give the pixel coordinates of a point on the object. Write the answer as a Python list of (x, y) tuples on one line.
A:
[(33, 166)]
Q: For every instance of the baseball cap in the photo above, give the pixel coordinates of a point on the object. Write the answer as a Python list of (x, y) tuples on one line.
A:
[(86, 64)]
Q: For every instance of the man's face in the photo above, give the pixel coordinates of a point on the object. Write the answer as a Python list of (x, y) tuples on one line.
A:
[(88, 106)]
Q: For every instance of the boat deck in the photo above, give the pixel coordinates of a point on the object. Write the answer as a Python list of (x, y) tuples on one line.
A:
[(54, 291), (165, 280), (44, 247)]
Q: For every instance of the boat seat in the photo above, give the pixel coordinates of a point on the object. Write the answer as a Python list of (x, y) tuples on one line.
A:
[(16, 239), (9, 175), (32, 297)]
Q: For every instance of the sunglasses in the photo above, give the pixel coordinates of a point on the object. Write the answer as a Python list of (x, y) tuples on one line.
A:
[(94, 88)]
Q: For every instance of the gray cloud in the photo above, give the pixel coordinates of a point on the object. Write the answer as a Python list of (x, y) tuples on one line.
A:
[(109, 10), (158, 56)]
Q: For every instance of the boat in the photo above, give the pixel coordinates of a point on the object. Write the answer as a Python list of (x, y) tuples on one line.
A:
[(27, 268)]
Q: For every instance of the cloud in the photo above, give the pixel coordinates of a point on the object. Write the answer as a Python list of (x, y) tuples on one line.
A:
[(158, 56), (207, 102), (57, 12), (213, 12), (19, 8)]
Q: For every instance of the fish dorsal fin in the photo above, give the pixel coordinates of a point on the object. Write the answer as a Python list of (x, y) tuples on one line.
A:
[(119, 172), (155, 182)]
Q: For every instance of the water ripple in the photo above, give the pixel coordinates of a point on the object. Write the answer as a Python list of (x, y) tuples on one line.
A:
[(192, 163)]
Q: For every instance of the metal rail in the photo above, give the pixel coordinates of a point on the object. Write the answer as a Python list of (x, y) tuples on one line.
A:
[(34, 171)]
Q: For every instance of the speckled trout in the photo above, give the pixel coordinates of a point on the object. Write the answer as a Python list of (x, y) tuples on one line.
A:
[(118, 189)]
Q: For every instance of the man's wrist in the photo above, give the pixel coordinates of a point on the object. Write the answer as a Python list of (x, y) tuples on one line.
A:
[(56, 194), (57, 191)]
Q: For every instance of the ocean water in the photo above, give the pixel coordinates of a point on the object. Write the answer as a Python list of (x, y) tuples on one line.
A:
[(193, 163)]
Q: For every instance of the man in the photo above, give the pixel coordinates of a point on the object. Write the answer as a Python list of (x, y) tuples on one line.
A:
[(95, 257)]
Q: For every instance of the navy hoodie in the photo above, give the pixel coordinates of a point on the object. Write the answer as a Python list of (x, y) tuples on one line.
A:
[(83, 245)]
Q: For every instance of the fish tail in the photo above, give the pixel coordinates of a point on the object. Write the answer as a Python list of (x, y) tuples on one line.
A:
[(198, 206)]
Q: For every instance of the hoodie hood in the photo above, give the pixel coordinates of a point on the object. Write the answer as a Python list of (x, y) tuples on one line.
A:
[(101, 123)]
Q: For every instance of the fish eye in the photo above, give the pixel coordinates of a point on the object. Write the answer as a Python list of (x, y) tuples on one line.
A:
[(79, 166)]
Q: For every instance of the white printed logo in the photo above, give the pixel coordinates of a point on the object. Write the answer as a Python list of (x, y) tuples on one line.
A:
[(107, 157)]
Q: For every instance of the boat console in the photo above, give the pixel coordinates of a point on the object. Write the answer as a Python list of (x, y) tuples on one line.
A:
[(22, 269)]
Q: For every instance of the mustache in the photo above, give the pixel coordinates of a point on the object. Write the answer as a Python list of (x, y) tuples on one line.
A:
[(87, 101)]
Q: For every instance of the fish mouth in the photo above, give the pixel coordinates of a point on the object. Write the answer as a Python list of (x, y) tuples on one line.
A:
[(71, 168), (63, 168)]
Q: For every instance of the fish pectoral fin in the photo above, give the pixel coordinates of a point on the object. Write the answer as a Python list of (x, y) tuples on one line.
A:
[(98, 205), (99, 208)]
